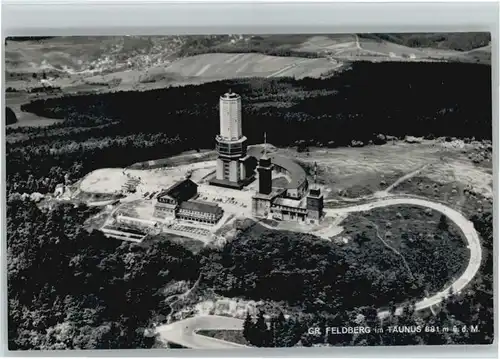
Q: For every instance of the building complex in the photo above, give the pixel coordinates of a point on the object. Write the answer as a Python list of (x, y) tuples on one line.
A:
[(179, 202), (290, 198)]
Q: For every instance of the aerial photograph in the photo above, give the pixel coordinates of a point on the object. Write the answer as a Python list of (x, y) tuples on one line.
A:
[(249, 190)]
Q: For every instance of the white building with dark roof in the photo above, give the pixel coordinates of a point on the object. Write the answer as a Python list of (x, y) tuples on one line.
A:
[(177, 202), (204, 212)]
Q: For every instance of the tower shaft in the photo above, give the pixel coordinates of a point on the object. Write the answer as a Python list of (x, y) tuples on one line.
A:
[(231, 145)]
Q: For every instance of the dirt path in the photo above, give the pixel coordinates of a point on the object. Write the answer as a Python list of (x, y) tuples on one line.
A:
[(404, 178), (392, 249), (466, 226), (179, 297)]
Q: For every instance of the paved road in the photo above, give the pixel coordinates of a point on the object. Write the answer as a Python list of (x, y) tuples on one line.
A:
[(183, 332)]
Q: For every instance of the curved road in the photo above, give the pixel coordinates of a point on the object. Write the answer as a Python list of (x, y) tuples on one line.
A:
[(466, 226), (184, 332)]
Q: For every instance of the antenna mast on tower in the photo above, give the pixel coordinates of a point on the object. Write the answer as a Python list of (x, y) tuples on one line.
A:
[(315, 174), (265, 143)]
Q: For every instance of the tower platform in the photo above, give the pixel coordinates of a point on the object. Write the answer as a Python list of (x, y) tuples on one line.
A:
[(230, 184)]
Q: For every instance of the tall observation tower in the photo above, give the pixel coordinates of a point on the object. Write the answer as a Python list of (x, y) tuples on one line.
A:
[(232, 163)]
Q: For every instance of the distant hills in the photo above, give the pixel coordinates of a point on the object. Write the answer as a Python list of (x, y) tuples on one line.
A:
[(459, 41), (27, 38), (130, 62)]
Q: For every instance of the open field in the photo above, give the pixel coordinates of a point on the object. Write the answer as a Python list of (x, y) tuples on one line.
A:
[(459, 196), (344, 172), (372, 168), (111, 180), (222, 66)]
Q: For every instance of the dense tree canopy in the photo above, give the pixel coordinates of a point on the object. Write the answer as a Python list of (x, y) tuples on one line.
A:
[(70, 289)]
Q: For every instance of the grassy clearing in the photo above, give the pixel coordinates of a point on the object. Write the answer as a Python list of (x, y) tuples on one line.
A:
[(458, 195), (368, 184), (185, 158), (354, 172)]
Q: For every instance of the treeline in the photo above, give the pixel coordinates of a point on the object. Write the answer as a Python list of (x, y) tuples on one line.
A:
[(41, 165), (461, 41), (273, 45), (252, 48), (277, 332), (433, 254), (337, 329), (27, 38), (320, 284), (71, 289)]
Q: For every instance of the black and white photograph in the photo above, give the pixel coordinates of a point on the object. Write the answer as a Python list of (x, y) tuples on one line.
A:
[(249, 190)]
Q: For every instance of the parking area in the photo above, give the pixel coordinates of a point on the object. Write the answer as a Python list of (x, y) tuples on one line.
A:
[(189, 229), (232, 201)]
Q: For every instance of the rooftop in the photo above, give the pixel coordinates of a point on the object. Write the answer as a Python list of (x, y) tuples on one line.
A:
[(288, 202), (176, 190), (274, 193), (315, 192), (230, 95), (297, 173), (201, 206)]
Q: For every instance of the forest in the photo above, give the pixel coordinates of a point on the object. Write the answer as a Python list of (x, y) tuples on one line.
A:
[(73, 289), (361, 105)]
